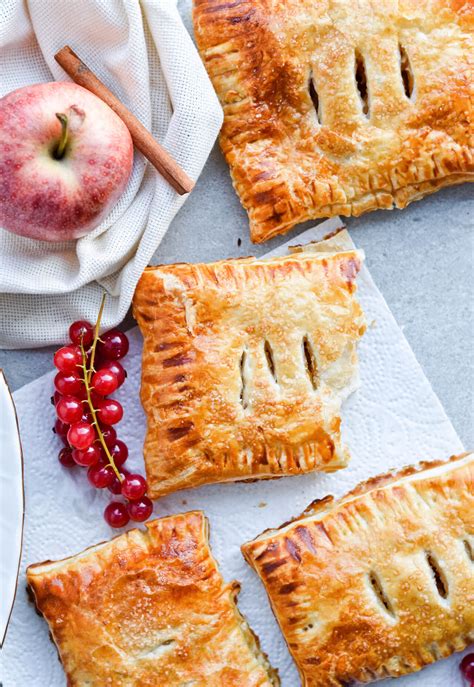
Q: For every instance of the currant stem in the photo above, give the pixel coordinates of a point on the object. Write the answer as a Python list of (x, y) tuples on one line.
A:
[(96, 337), (87, 377), (61, 147)]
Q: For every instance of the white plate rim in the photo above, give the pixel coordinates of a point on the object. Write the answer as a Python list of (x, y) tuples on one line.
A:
[(12, 446)]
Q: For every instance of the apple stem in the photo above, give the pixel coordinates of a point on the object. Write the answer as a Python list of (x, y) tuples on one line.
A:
[(61, 147)]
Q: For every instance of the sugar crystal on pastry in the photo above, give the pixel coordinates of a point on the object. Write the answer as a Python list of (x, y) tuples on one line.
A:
[(149, 608), (337, 107), (379, 583), (246, 364)]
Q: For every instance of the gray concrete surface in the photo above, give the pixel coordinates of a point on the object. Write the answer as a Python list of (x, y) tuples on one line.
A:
[(421, 258)]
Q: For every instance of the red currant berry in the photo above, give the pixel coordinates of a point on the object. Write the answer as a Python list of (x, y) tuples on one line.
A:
[(90, 456), (119, 453), (110, 435), (81, 435), (60, 428), (68, 383), (467, 667), (116, 514), (100, 476), (141, 509), (116, 486), (113, 345), (69, 409), (134, 487), (55, 398), (105, 382), (65, 458), (68, 358), (81, 331), (117, 368), (63, 437), (82, 395), (95, 398), (103, 460), (109, 411), (86, 416)]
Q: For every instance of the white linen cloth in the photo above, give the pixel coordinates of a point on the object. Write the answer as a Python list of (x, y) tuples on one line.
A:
[(143, 53)]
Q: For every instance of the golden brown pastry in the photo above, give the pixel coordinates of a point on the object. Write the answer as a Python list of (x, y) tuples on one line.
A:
[(149, 609), (339, 107), (245, 366), (379, 583)]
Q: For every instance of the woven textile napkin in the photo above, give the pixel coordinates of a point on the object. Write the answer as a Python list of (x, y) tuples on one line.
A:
[(143, 53)]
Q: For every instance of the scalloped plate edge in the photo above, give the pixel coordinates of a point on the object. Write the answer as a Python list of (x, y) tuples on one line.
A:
[(12, 504)]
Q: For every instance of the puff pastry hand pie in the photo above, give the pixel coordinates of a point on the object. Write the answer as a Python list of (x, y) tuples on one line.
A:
[(245, 365), (148, 609), (379, 583), (339, 107)]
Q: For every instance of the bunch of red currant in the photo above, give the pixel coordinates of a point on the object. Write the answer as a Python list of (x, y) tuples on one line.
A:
[(467, 669), (89, 370)]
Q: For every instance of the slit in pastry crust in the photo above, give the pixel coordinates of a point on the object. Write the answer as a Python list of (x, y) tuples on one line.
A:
[(339, 108), (149, 607), (377, 583), (267, 354)]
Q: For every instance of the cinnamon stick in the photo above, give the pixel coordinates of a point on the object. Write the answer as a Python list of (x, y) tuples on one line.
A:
[(142, 138)]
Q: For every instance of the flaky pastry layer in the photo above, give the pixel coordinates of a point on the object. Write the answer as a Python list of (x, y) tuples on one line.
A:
[(147, 609), (339, 107), (245, 365), (379, 583)]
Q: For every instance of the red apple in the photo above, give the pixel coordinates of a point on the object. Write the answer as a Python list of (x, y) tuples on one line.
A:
[(65, 158)]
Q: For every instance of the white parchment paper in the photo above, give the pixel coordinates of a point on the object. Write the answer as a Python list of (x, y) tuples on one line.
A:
[(394, 419)]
